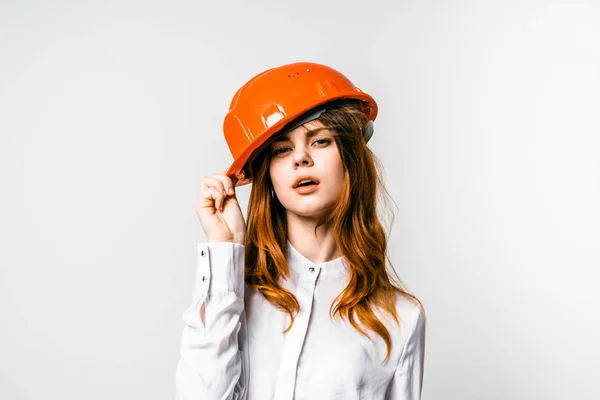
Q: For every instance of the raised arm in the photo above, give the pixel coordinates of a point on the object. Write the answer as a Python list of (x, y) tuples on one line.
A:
[(212, 365)]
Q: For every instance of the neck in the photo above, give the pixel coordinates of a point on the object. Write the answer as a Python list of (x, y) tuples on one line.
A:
[(318, 249)]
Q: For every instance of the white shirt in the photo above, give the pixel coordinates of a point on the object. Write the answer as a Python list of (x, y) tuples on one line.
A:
[(241, 352)]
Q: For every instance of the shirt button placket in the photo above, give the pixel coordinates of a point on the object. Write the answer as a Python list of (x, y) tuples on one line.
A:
[(286, 377)]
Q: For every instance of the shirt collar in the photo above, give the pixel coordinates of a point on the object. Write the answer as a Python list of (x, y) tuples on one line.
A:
[(300, 265)]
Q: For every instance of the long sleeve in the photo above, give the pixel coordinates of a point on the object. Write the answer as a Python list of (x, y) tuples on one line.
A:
[(408, 378), (211, 365)]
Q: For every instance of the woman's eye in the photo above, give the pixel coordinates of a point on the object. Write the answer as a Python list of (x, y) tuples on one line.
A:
[(280, 150), (322, 141), (285, 149)]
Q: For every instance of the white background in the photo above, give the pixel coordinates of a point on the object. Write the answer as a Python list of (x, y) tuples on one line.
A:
[(111, 112)]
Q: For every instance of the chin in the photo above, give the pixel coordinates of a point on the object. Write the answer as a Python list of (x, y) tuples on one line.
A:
[(308, 211), (308, 214)]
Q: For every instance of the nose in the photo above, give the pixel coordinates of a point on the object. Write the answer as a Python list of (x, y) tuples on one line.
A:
[(302, 158)]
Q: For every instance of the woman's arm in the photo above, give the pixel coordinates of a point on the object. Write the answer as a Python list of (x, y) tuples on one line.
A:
[(211, 365), (408, 378)]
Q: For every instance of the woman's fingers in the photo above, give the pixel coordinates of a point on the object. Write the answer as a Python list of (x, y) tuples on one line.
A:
[(211, 190), (212, 181), (219, 211), (216, 188), (228, 184), (218, 197)]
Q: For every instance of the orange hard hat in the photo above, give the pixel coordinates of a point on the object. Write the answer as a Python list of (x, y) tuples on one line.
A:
[(274, 98)]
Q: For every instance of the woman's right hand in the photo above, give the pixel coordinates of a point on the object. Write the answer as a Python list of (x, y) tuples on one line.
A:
[(219, 211)]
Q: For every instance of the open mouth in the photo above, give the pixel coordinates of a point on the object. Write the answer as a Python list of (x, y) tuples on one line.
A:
[(306, 183)]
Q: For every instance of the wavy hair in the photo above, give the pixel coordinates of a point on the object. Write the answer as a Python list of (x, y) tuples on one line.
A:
[(359, 233)]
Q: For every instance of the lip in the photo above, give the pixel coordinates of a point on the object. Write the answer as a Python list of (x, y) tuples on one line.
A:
[(306, 189), (304, 178)]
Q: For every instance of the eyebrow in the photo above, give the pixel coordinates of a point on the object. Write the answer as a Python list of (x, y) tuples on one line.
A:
[(309, 134)]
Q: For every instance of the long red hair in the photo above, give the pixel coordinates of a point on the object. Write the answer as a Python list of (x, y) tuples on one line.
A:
[(359, 233)]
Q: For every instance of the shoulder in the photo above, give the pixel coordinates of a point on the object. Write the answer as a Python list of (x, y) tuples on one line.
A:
[(405, 334), (410, 333), (410, 325), (410, 311)]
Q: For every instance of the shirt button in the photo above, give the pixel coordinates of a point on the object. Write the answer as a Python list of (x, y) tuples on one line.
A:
[(204, 278), (202, 253), (311, 269)]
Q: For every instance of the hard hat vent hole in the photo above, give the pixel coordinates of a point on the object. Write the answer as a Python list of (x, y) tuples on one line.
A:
[(298, 73)]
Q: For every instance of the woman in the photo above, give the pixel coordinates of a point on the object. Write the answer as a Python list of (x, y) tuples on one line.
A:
[(297, 303)]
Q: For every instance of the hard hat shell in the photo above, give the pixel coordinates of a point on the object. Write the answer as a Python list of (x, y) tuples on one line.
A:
[(274, 98)]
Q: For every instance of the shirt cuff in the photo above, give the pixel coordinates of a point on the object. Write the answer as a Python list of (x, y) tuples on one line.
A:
[(220, 267)]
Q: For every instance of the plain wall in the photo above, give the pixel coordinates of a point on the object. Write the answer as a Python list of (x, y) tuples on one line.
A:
[(111, 112)]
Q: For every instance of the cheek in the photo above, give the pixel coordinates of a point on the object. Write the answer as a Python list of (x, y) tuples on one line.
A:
[(334, 169), (276, 172), (338, 167), (334, 165), (339, 174)]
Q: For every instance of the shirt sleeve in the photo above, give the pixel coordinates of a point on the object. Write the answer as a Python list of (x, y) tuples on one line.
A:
[(211, 364), (407, 382)]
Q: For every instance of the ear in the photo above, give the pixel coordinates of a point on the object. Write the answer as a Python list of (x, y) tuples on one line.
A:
[(369, 130)]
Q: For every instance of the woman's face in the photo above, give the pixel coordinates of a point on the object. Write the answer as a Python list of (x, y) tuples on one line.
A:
[(304, 155)]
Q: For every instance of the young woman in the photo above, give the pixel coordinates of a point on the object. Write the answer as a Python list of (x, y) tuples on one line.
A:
[(297, 303)]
